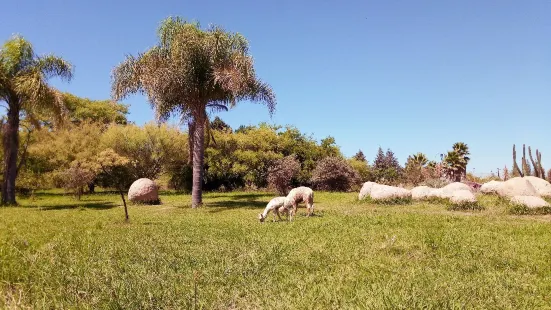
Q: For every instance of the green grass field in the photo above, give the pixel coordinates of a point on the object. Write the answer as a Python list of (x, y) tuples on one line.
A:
[(56, 252)]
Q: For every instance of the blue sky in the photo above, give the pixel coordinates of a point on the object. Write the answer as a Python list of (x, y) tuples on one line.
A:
[(407, 75)]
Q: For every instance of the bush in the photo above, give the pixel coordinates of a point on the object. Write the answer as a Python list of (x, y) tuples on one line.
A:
[(78, 176), (334, 174), (282, 173)]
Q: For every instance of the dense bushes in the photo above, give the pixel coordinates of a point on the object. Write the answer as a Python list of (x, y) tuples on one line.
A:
[(282, 173), (334, 174)]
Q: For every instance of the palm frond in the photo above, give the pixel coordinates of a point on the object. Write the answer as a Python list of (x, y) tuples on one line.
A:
[(53, 66)]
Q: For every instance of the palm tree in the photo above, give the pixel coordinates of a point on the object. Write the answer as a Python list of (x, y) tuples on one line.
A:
[(419, 159), (462, 151), (453, 165), (24, 88), (189, 73)]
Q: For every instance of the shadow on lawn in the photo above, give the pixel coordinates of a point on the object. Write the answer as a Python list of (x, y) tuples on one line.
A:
[(219, 206), (93, 205), (241, 196)]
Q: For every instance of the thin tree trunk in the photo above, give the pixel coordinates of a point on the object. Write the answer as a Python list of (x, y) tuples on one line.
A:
[(127, 218), (92, 187), (11, 148), (198, 158)]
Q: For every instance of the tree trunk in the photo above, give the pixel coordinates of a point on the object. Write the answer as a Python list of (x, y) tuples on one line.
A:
[(126, 217), (92, 187), (11, 148), (198, 158)]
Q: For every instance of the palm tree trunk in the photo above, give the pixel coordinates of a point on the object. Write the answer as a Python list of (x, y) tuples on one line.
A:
[(198, 158), (11, 148)]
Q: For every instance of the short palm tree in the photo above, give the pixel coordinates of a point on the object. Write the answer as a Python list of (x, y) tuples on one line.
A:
[(189, 72), (420, 159), (24, 88)]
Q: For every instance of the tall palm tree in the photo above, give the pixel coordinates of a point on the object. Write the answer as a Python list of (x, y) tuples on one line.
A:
[(24, 88), (462, 150), (419, 159), (189, 72)]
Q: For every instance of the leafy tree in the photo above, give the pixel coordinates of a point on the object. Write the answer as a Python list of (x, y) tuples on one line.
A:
[(334, 174), (282, 172), (77, 176), (151, 149), (362, 168), (219, 124), (24, 88), (360, 156), (386, 167), (188, 72), (96, 111), (115, 173)]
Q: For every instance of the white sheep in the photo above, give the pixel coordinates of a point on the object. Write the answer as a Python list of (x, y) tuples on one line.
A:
[(275, 204), (296, 196)]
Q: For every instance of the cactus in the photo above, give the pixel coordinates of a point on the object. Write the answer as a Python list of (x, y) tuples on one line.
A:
[(526, 170), (536, 168), (549, 175), (539, 165), (516, 169)]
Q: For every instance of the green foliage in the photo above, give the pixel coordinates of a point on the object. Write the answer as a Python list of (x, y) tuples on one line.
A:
[(362, 168), (115, 170), (360, 156), (97, 111), (386, 169), (455, 161), (416, 169), (151, 149)]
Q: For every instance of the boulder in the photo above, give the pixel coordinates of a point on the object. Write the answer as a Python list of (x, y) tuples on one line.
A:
[(385, 192), (448, 190), (366, 190), (517, 187), (543, 188), (462, 196), (490, 187), (143, 190), (530, 201), (422, 192)]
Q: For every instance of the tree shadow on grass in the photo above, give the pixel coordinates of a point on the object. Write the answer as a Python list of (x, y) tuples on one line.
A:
[(219, 206), (244, 196), (92, 205)]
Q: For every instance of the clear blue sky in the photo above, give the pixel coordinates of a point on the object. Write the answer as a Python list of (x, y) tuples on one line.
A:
[(407, 75)]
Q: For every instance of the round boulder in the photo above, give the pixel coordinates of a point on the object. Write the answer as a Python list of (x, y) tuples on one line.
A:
[(385, 192), (517, 187), (490, 187), (543, 188), (143, 190), (463, 197), (530, 201), (422, 192), (366, 190), (448, 190)]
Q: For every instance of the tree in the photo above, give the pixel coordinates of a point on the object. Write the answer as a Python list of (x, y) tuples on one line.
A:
[(416, 168), (24, 88), (334, 174), (282, 173), (455, 161), (96, 111), (360, 156), (386, 167), (219, 124), (189, 72), (114, 173)]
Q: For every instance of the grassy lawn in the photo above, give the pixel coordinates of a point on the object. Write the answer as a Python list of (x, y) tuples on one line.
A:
[(56, 252)]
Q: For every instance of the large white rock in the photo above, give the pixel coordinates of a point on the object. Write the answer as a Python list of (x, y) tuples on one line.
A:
[(530, 201), (448, 190), (490, 187), (543, 188), (384, 192), (517, 187), (366, 190), (462, 196), (422, 192), (143, 190)]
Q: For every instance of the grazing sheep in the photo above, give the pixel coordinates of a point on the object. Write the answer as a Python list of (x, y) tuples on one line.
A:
[(296, 196), (274, 205)]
